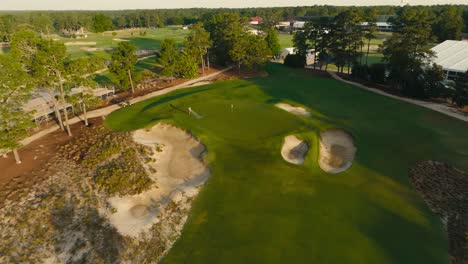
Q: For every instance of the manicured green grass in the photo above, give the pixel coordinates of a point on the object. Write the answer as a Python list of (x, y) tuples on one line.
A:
[(257, 208), (152, 40), (285, 40)]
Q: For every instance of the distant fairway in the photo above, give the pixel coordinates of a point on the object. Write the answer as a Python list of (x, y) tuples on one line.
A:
[(257, 208), (152, 40)]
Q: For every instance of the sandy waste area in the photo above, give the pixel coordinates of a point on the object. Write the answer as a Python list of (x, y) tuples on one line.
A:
[(179, 175)]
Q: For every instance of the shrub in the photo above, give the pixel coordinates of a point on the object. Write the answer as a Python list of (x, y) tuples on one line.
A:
[(377, 73), (295, 61)]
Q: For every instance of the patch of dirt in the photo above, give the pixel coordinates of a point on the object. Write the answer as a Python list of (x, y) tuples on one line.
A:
[(337, 151), (445, 190), (35, 156), (294, 150), (297, 110)]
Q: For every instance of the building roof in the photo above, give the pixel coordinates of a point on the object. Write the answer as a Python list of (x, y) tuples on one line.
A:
[(452, 55), (256, 19)]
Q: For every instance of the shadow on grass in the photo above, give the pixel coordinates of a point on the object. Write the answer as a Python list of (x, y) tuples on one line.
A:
[(145, 43), (171, 98)]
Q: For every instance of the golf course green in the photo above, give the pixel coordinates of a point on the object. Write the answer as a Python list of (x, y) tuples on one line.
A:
[(258, 208)]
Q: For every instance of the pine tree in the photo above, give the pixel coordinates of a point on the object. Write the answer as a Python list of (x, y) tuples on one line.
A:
[(15, 90), (168, 57), (197, 44), (123, 65)]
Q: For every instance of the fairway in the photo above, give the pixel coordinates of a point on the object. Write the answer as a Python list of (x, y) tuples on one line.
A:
[(105, 42), (258, 208)]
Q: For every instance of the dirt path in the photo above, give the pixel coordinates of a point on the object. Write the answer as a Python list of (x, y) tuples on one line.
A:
[(430, 105)]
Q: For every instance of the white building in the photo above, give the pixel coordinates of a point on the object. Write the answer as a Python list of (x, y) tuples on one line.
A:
[(452, 55), (309, 58), (381, 26), (42, 104), (299, 24)]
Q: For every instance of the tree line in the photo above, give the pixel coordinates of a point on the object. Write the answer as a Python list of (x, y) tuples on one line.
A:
[(407, 58), (47, 22)]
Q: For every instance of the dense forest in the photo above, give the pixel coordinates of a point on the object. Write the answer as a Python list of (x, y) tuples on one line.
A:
[(47, 22)]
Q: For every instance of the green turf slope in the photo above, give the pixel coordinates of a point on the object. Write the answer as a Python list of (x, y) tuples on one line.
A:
[(257, 208)]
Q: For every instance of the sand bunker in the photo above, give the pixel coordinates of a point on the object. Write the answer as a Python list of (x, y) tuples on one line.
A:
[(95, 49), (336, 150), (179, 175), (294, 150), (300, 111), (119, 39), (80, 43)]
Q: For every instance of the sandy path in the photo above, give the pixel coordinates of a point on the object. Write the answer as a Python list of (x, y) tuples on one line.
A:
[(297, 110), (429, 105), (179, 174), (109, 109), (294, 150)]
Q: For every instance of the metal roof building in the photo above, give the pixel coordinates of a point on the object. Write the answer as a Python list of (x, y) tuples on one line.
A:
[(452, 55)]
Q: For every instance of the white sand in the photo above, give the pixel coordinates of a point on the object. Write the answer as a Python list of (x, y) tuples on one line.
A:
[(179, 174), (337, 151), (294, 150), (300, 111), (119, 39), (80, 43), (94, 49)]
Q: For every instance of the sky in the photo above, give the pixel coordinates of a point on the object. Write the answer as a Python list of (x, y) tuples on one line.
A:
[(156, 4)]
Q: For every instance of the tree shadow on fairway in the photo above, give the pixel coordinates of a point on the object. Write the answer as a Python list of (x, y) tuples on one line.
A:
[(145, 43), (171, 98), (404, 241)]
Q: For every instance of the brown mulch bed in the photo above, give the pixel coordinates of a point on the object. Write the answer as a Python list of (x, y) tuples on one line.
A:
[(445, 190)]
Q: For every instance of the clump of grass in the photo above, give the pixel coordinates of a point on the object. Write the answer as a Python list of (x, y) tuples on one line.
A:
[(123, 176)]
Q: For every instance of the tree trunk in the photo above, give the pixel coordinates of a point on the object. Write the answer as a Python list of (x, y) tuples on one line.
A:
[(131, 81), (202, 64), (58, 115), (208, 58), (368, 48), (62, 95), (85, 114), (17, 157)]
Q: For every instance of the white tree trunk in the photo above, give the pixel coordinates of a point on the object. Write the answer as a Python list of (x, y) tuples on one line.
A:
[(202, 64), (131, 81), (58, 115), (85, 115), (62, 94), (17, 157)]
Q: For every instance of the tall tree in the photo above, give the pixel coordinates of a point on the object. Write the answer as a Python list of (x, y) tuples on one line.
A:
[(449, 24), (123, 65), (197, 43), (102, 23), (15, 90), (407, 51), (168, 57), (272, 41), (226, 31), (461, 90)]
